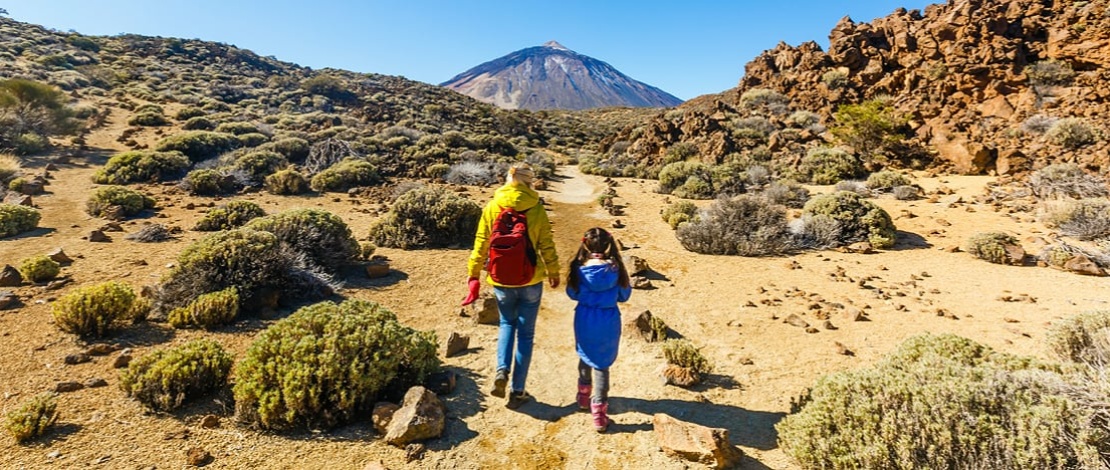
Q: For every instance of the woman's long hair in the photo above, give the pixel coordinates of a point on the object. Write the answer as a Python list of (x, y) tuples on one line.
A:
[(598, 241)]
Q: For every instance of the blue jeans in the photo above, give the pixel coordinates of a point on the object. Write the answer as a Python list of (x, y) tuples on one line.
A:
[(518, 307)]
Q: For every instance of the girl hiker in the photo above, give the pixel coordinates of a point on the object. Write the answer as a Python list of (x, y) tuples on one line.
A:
[(597, 280), (514, 244)]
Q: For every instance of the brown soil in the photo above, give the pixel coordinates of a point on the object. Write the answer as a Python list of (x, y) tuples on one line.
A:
[(760, 362)]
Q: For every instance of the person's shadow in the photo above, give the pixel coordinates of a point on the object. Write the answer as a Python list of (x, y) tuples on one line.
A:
[(747, 428)]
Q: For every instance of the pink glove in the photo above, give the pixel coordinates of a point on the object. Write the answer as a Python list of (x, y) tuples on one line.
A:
[(472, 285)]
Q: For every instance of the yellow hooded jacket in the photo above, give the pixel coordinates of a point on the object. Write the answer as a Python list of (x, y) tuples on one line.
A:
[(523, 199)]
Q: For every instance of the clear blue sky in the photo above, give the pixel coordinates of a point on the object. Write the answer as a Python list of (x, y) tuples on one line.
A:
[(687, 48)]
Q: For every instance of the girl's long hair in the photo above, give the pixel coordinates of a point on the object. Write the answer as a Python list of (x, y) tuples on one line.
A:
[(597, 240)]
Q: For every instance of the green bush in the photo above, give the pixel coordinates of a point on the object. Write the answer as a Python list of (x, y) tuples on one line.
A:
[(198, 145), (1072, 133), (437, 171), (349, 173), (142, 166), (756, 98), (681, 352), (686, 180), (208, 182), (871, 128), (680, 212), (324, 238), (185, 114), (1049, 72), (32, 418), (259, 164), (1084, 338), (680, 152), (787, 193), (10, 166), (942, 402), (15, 220), (29, 143), (92, 311), (199, 123), (886, 180), (252, 140), (231, 215), (834, 79), (132, 202), (743, 225), (287, 182), (991, 246), (29, 112), (803, 119), (165, 378), (39, 268), (237, 128), (294, 149), (208, 311), (860, 220), (428, 217), (1066, 180), (344, 358), (149, 119), (826, 165)]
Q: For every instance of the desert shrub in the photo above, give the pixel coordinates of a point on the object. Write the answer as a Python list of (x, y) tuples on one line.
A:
[(825, 165), (198, 145), (185, 114), (1066, 180), (39, 268), (542, 163), (149, 119), (678, 213), (942, 402), (142, 166), (151, 233), (287, 182), (17, 184), (208, 182), (771, 100), (906, 192), (252, 140), (1038, 124), (816, 232), (474, 173), (991, 246), (1049, 72), (1086, 219), (860, 220), (349, 173), (10, 165), (345, 356), (237, 128), (207, 311), (132, 202), (324, 238), (802, 119), (437, 171), (430, 217), (93, 311), (680, 152), (1083, 338), (836, 78), (787, 193), (29, 112), (199, 123), (1072, 133), (15, 220), (681, 352), (165, 378), (871, 128), (886, 180), (858, 187), (231, 215), (258, 165), (743, 225), (678, 174), (32, 418), (256, 263), (294, 149), (29, 143), (366, 250)]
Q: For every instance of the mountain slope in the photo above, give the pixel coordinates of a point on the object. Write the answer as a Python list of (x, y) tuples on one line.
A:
[(554, 77)]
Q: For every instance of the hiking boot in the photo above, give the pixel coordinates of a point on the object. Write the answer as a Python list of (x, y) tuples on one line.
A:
[(516, 399), (584, 391), (601, 416), (499, 383)]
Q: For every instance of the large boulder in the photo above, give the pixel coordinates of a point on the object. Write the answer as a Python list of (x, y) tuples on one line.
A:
[(694, 442), (421, 416)]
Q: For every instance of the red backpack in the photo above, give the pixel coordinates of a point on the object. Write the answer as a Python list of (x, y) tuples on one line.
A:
[(512, 258)]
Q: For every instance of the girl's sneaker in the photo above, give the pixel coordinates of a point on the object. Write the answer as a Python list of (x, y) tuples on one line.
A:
[(584, 391), (601, 416)]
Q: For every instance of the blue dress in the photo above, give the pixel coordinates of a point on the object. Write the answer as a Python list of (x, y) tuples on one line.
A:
[(597, 321)]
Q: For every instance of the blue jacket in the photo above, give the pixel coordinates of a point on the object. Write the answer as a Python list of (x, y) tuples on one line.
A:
[(597, 320)]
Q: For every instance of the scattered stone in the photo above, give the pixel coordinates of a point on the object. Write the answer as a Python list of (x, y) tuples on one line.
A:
[(680, 376), (96, 382), (111, 227), (10, 277), (797, 321), (182, 434), (485, 311), (67, 386), (944, 223), (828, 325), (1015, 254), (98, 236), (101, 349), (863, 248), (1081, 264), (812, 330), (210, 422), (421, 416), (456, 344), (23, 200), (382, 415), (617, 224), (53, 455), (197, 457), (377, 269), (79, 358), (57, 283), (123, 359), (953, 249), (641, 282), (113, 213), (746, 361), (442, 383), (8, 300), (59, 256), (853, 314), (635, 264), (642, 325), (842, 349), (696, 443), (793, 264), (415, 451), (1010, 320)]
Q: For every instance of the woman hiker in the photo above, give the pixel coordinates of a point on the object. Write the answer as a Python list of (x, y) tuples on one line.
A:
[(514, 244)]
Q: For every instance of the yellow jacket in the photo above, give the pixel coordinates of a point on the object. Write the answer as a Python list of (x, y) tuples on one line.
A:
[(523, 199)]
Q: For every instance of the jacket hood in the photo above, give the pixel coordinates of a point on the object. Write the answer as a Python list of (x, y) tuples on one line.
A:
[(516, 196), (598, 277)]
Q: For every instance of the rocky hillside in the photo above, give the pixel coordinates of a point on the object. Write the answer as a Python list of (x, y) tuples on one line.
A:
[(554, 77), (979, 82)]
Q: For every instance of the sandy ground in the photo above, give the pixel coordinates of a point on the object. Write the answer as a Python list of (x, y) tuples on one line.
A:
[(732, 307)]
